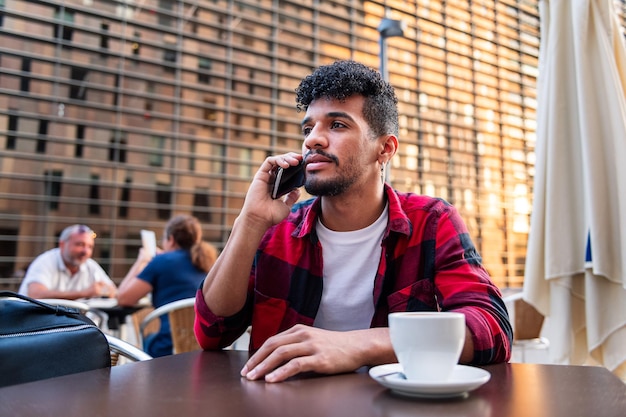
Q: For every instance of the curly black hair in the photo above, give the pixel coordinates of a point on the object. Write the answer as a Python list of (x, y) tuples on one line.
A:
[(343, 79)]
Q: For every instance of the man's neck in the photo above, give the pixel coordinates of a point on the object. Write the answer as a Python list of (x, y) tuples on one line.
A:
[(352, 211), (73, 269)]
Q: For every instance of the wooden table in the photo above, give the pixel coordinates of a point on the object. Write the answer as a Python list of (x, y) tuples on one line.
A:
[(208, 384)]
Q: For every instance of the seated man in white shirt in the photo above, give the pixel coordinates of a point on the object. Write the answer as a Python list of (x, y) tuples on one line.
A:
[(68, 271)]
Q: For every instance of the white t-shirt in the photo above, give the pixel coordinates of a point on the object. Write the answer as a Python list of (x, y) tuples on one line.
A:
[(49, 270), (350, 263)]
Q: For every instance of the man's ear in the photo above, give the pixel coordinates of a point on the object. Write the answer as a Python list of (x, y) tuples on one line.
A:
[(388, 149)]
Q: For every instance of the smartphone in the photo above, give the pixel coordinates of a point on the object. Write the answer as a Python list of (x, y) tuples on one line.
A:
[(288, 179), (148, 241)]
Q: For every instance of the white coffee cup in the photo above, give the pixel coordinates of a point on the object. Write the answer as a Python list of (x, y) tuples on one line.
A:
[(427, 344)]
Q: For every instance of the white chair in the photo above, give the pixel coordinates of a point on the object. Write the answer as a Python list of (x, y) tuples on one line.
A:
[(526, 322), (181, 315), (119, 347)]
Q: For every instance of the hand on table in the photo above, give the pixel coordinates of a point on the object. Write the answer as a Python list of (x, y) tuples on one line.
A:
[(309, 349), (102, 289)]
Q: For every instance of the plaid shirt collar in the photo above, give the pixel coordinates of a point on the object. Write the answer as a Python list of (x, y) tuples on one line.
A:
[(398, 220)]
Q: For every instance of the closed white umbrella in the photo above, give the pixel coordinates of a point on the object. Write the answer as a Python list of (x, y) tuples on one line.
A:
[(579, 201)]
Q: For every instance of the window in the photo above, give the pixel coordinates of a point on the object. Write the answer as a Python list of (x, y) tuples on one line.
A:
[(210, 113), (164, 200), (117, 148), (156, 158), (251, 84), (116, 96), (64, 29), (79, 78), (124, 199), (12, 128), (148, 105), (52, 186), (136, 46), (8, 249), (166, 19), (104, 36), (169, 57), (204, 68), (42, 137), (192, 155), (94, 195), (245, 170), (80, 141), (201, 206), (25, 78)]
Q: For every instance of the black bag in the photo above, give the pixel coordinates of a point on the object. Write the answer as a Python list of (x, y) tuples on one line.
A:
[(39, 340)]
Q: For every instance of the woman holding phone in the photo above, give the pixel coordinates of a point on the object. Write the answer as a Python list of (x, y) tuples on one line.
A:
[(174, 273)]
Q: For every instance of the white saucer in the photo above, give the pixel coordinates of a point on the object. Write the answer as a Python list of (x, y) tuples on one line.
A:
[(463, 380)]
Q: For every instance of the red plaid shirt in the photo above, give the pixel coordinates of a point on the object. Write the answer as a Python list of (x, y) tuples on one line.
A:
[(427, 258)]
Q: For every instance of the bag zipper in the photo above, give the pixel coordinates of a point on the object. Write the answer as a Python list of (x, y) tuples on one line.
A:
[(49, 331)]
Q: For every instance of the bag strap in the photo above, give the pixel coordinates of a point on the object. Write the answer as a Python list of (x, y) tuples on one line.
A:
[(57, 310)]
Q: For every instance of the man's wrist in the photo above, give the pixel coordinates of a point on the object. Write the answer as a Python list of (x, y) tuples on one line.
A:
[(375, 347), (251, 226)]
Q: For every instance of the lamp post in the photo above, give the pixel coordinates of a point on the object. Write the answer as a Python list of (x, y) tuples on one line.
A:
[(388, 28)]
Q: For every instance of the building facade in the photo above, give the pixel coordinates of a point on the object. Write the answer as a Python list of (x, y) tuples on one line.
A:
[(120, 114)]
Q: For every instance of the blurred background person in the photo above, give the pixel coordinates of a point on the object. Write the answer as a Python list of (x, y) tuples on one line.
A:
[(173, 274), (68, 271)]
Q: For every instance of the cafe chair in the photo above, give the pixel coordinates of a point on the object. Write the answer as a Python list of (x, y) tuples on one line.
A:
[(528, 344), (119, 347), (181, 315), (136, 318)]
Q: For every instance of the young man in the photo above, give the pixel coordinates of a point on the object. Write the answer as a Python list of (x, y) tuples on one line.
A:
[(326, 272), (68, 271)]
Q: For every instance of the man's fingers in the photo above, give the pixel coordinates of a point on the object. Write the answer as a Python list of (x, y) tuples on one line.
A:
[(291, 368), (276, 352)]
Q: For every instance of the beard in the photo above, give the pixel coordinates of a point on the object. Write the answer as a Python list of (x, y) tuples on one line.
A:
[(347, 175), (73, 259), (331, 187), (328, 188)]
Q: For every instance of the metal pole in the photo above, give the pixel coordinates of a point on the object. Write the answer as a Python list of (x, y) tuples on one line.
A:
[(387, 29), (383, 57)]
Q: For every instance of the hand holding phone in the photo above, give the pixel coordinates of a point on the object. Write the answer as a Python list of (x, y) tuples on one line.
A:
[(287, 180), (148, 241)]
